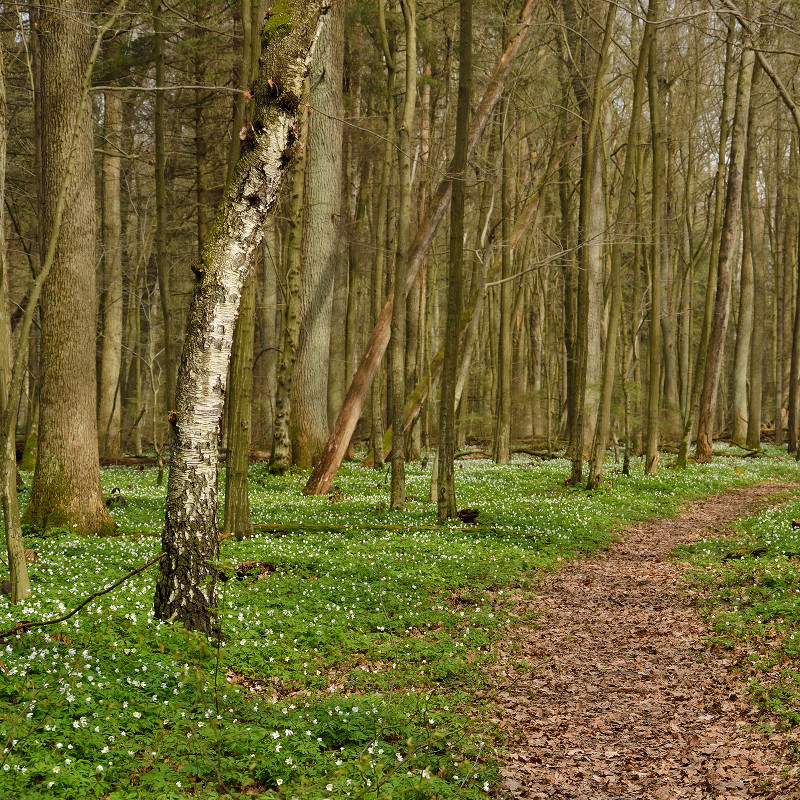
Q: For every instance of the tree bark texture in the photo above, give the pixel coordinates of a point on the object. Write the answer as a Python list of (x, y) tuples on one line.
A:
[(66, 485), (730, 228), (309, 426), (750, 212), (186, 583)]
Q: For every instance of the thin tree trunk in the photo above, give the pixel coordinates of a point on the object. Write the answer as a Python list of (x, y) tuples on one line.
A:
[(728, 238), (164, 280), (654, 350), (239, 410), (15, 547), (750, 212), (109, 415), (502, 432), (280, 458), (744, 322), (603, 429), (590, 88), (398, 324), (716, 233), (446, 499)]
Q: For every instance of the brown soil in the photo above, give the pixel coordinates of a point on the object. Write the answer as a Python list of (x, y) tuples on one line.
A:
[(627, 701)]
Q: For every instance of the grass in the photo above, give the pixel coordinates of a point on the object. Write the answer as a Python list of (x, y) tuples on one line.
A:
[(353, 667), (749, 588)]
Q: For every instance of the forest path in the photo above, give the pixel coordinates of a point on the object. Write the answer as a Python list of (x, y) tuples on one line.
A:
[(629, 703)]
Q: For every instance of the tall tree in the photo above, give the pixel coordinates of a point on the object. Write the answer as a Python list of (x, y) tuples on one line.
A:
[(730, 228), (447, 410), (66, 485), (309, 426)]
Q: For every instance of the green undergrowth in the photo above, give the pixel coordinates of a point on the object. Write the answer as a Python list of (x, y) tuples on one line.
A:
[(749, 588), (356, 641)]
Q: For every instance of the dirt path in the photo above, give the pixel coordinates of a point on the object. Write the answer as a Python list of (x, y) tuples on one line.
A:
[(628, 703)]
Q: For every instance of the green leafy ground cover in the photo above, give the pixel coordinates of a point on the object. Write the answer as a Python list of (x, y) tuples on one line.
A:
[(350, 668), (749, 587)]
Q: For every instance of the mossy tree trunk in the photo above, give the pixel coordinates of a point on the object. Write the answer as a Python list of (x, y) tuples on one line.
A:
[(186, 584)]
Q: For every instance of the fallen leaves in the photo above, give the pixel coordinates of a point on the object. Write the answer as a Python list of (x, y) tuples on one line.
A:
[(629, 702)]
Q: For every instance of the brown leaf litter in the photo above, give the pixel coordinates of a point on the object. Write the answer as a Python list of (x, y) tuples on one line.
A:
[(626, 701)]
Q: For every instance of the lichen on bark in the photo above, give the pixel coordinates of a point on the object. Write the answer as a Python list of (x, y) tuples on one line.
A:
[(186, 583)]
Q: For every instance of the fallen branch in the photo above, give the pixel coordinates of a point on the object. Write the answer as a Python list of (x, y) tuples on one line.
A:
[(25, 624)]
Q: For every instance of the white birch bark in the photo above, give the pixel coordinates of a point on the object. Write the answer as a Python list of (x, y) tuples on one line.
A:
[(186, 584)]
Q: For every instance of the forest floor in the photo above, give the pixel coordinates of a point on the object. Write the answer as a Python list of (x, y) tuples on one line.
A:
[(628, 699)]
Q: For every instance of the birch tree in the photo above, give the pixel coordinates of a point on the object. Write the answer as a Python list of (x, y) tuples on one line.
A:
[(186, 584)]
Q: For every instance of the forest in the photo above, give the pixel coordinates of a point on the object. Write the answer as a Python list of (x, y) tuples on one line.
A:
[(352, 352)]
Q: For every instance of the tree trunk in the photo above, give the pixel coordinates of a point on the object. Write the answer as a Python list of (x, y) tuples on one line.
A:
[(15, 547), (447, 410), (716, 233), (744, 322), (162, 266), (603, 429), (186, 583), (322, 477), (730, 229), (108, 418), (658, 209), (66, 486), (590, 87), (239, 411), (280, 458), (309, 426), (750, 212), (502, 432), (398, 324)]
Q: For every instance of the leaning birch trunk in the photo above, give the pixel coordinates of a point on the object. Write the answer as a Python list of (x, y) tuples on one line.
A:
[(730, 227), (322, 477), (186, 584)]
